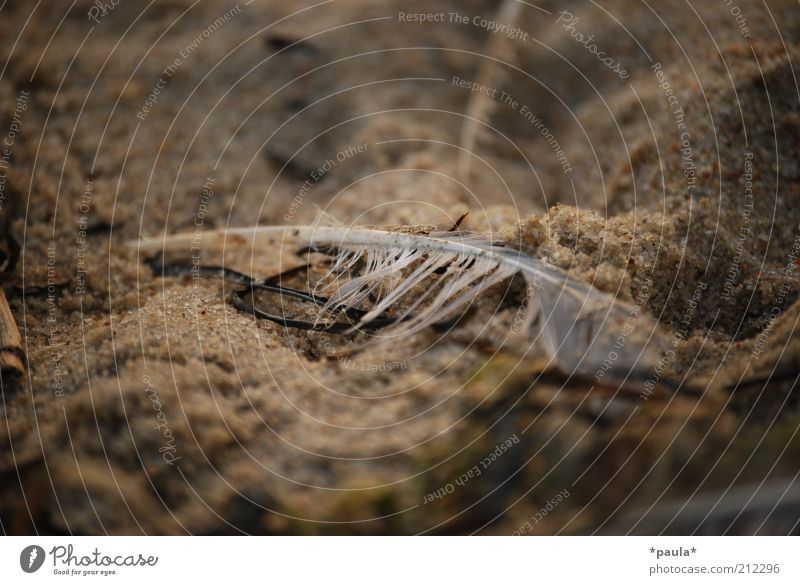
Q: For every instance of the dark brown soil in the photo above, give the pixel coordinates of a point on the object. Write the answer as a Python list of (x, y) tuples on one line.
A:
[(153, 406)]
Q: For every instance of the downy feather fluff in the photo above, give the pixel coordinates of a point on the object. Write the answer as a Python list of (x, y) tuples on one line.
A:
[(583, 329)]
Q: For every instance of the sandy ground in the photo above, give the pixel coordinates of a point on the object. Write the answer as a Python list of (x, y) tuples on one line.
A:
[(151, 405)]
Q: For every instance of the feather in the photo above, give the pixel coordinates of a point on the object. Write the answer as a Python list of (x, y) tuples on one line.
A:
[(490, 74), (434, 275)]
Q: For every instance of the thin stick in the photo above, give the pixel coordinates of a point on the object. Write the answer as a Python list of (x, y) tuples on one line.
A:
[(12, 356), (498, 52)]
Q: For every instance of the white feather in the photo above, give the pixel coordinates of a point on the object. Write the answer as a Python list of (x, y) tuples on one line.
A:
[(578, 325)]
